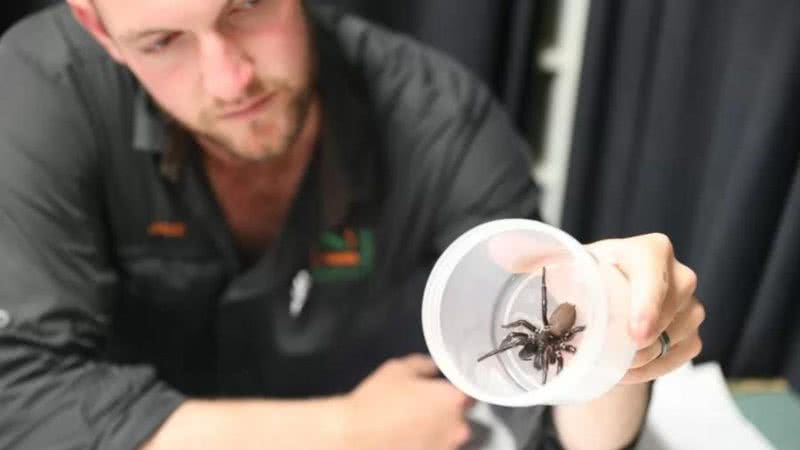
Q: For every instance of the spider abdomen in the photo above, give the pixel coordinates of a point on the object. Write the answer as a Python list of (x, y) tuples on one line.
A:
[(563, 319)]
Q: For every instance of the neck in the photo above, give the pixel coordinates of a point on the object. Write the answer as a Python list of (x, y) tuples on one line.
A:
[(256, 196)]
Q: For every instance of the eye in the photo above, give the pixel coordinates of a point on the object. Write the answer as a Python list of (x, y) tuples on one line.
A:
[(161, 44), (252, 14), (245, 5)]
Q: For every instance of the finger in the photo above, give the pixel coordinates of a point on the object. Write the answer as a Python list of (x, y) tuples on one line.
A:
[(646, 262), (462, 435), (469, 402), (680, 296), (686, 324), (418, 364), (674, 358), (461, 400), (444, 389), (519, 253), (648, 266), (684, 279)]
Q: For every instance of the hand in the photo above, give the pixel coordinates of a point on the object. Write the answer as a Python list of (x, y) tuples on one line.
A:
[(400, 406), (662, 299)]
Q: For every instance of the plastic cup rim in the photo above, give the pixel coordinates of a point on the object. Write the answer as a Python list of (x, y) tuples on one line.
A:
[(551, 393)]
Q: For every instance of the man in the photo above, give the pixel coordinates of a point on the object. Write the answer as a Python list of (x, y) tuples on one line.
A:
[(217, 223)]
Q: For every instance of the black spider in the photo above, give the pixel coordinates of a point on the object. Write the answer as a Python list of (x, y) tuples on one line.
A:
[(544, 345)]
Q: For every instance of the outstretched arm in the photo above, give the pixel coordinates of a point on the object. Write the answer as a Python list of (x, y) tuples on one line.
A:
[(662, 300)]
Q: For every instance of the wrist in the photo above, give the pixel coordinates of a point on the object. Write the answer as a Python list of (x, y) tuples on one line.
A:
[(252, 423), (337, 422), (612, 420)]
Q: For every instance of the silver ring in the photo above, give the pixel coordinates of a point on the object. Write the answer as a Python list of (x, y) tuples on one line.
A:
[(663, 338)]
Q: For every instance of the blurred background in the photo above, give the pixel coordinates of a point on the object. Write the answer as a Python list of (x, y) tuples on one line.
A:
[(673, 116)]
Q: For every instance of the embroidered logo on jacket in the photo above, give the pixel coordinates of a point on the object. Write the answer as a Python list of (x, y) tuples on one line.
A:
[(163, 229), (343, 256)]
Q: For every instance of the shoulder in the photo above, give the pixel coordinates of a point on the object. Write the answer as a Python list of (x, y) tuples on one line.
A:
[(62, 103), (61, 92), (434, 118), (52, 41), (407, 80), (51, 51)]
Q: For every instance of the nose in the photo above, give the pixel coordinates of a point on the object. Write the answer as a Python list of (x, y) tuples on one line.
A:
[(225, 69)]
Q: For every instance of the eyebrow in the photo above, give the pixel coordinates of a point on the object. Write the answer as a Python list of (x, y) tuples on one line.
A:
[(133, 36)]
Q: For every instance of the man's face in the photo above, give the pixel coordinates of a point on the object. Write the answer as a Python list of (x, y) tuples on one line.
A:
[(235, 72)]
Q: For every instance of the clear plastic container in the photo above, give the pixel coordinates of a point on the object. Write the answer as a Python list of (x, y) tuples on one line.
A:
[(491, 276)]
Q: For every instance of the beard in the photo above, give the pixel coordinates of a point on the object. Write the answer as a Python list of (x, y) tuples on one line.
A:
[(267, 136)]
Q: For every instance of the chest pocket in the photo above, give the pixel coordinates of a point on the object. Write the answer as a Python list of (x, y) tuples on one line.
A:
[(165, 316), (324, 321), (271, 328), (320, 313)]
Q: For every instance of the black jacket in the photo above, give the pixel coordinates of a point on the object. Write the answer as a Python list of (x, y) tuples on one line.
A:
[(121, 292)]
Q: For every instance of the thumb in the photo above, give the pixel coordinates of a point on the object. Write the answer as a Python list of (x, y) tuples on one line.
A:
[(419, 364), (646, 276)]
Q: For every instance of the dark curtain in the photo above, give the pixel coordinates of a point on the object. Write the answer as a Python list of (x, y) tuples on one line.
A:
[(494, 39), (687, 125)]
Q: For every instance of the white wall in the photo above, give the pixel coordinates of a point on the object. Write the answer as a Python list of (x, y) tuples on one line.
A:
[(561, 59)]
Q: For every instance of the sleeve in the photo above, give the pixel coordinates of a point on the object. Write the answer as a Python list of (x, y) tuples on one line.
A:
[(489, 176), (56, 282)]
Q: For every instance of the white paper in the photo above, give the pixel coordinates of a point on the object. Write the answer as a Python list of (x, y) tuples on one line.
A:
[(693, 409)]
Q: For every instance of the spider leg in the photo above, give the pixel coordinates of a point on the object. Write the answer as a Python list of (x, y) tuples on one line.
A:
[(544, 299), (567, 348), (512, 340), (538, 358), (523, 323), (560, 361), (578, 329), (546, 367), (568, 335), (515, 335), (530, 350)]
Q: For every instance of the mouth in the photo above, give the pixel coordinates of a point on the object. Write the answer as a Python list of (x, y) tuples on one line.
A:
[(250, 109)]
